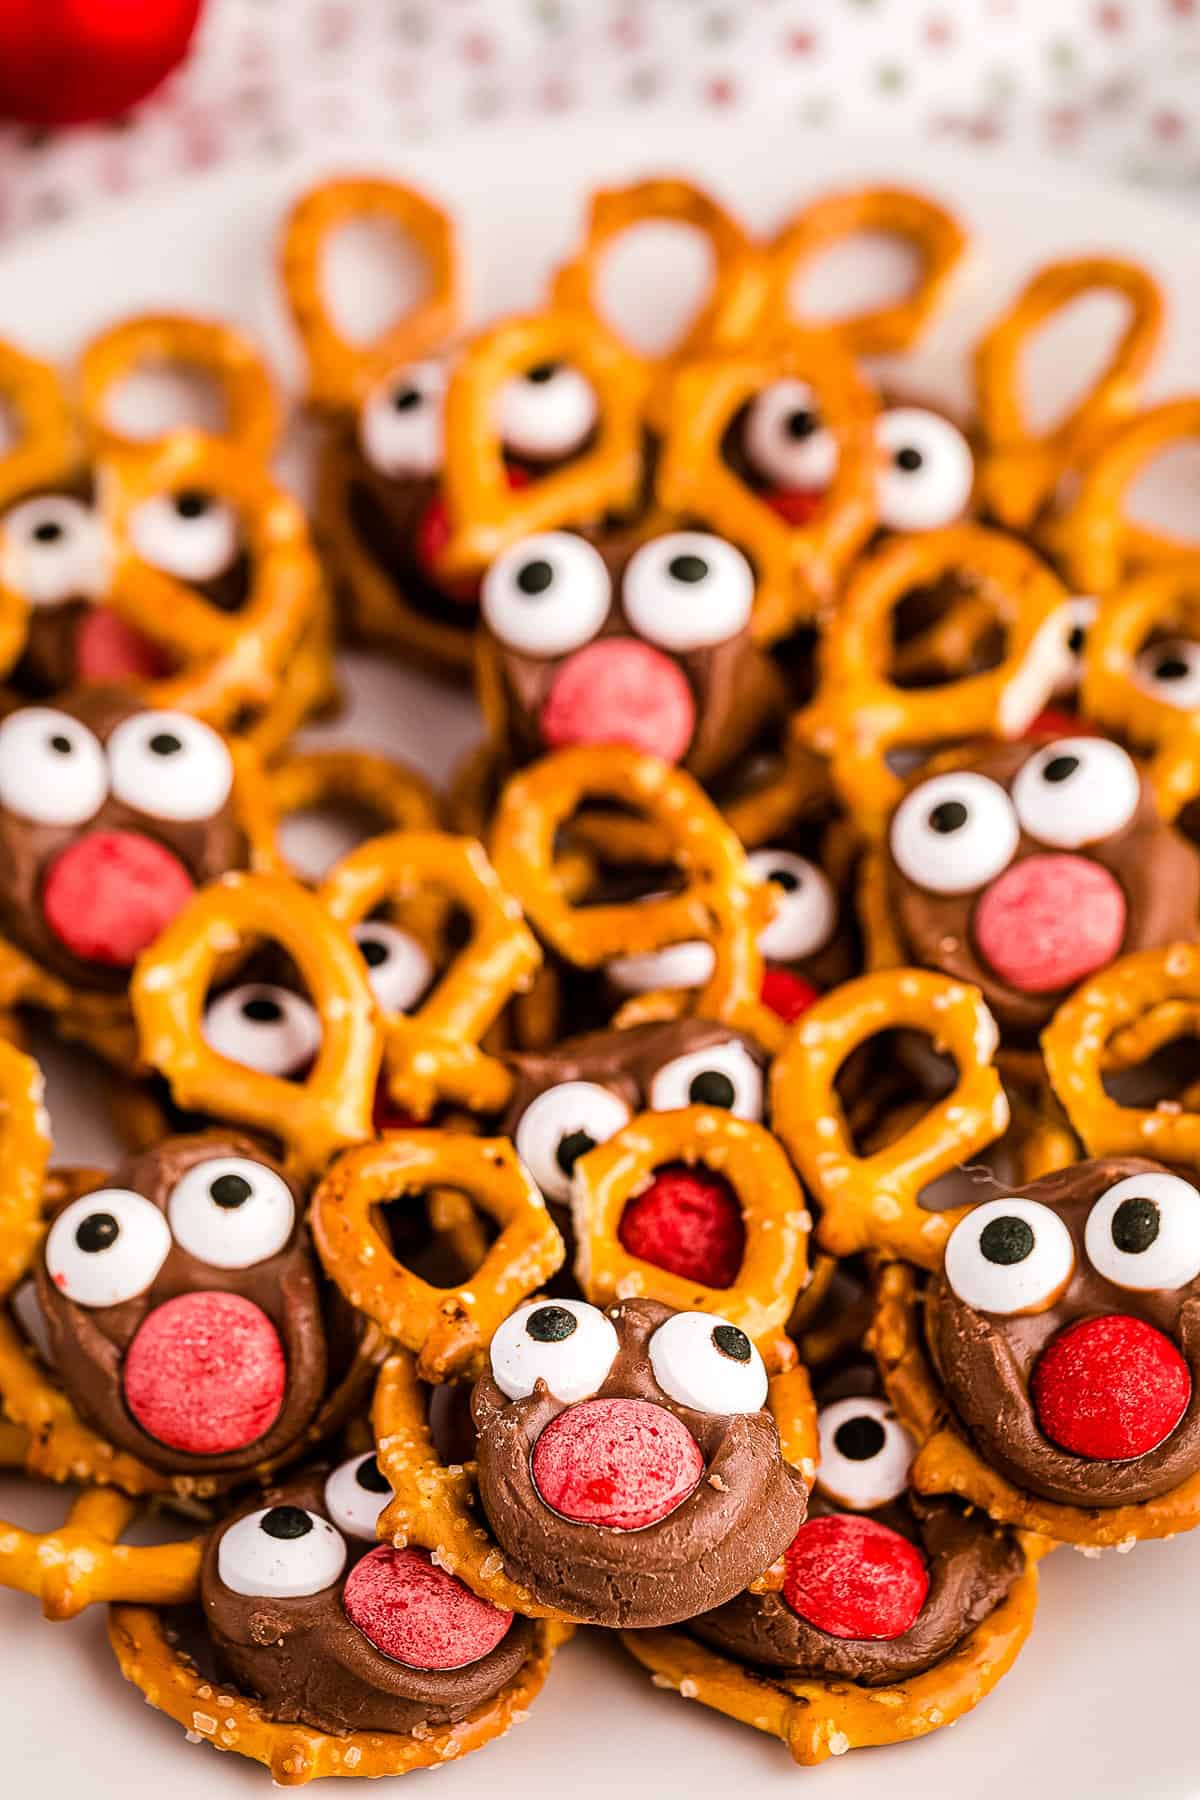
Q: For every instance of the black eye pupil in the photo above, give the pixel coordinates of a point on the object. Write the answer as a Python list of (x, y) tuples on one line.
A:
[(909, 459), (542, 372), (1007, 1240), (551, 1324), (165, 743), (687, 568), (574, 1145), (286, 1522), (48, 532), (261, 1010), (373, 952), (1171, 668), (369, 1475), (1077, 640), (786, 879), (61, 745), (948, 816), (535, 577), (1135, 1225), (801, 423), (190, 503), (230, 1191), (1059, 768), (712, 1088), (860, 1439), (732, 1342), (406, 398), (97, 1232)]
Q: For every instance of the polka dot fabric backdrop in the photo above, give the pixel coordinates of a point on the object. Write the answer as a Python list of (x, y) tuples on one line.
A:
[(1111, 82)]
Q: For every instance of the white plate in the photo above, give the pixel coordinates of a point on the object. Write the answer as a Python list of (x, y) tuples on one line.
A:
[(1102, 1700)]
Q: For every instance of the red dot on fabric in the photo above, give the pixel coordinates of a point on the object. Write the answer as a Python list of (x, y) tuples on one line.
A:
[(1050, 920), (621, 691), (1110, 1388), (417, 1614), (796, 506), (107, 648), (688, 1222), (621, 1463), (205, 1373), (854, 1578), (109, 895), (787, 995)]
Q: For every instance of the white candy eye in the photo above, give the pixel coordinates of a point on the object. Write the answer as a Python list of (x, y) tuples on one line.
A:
[(280, 1553), (708, 1364), (1144, 1233), (231, 1212), (568, 1344), (397, 966), (400, 430), (927, 470), (954, 832), (562, 1125), (106, 1247), (170, 766), (724, 1075), (1009, 1256), (1171, 671), (1076, 791), (267, 1028), (687, 591), (679, 966), (547, 411), (52, 549), (806, 915), (785, 441), (865, 1453), (190, 534), (547, 595), (355, 1494), (52, 769)]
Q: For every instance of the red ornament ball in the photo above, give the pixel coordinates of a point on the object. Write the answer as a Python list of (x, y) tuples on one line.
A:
[(68, 62)]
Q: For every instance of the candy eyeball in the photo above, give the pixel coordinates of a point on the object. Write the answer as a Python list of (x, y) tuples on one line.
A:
[(52, 549), (170, 766), (231, 1212), (568, 1344), (189, 534), (356, 1493), (106, 1247), (267, 1028), (676, 968), (549, 410), (806, 912), (398, 966), (280, 1553), (927, 470), (547, 595), (563, 1124), (708, 1364), (401, 427), (1009, 1257), (954, 833), (688, 591), (722, 1075), (52, 768), (1144, 1233), (785, 441), (865, 1453), (1171, 672), (1076, 791)]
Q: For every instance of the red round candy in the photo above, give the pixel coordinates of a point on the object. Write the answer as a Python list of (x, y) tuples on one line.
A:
[(1050, 920), (205, 1373), (109, 895), (433, 535), (417, 1614), (1110, 1388), (854, 1578), (63, 62), (688, 1222), (786, 994), (1055, 722), (796, 506), (107, 648), (621, 1463), (621, 691)]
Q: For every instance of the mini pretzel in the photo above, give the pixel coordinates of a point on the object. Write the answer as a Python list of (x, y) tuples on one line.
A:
[(872, 1202), (340, 371), (82, 1563), (1020, 467), (796, 566), (389, 794), (226, 661), (314, 1118), (206, 347), (433, 1053), (1161, 602), (450, 1328), (860, 714), (43, 449), (219, 1715), (722, 901), (735, 294), (946, 1463), (1092, 539), (937, 237), (777, 1222), (486, 513)]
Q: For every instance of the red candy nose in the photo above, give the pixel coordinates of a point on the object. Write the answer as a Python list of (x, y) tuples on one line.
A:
[(433, 535), (1110, 1388), (786, 994), (621, 1463), (854, 1578), (689, 1223), (419, 1615), (1055, 722), (107, 649), (1049, 921), (109, 895), (797, 506), (621, 691), (205, 1373)]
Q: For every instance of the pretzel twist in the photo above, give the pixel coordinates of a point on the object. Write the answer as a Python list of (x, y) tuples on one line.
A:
[(82, 1563), (1159, 602), (389, 794)]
